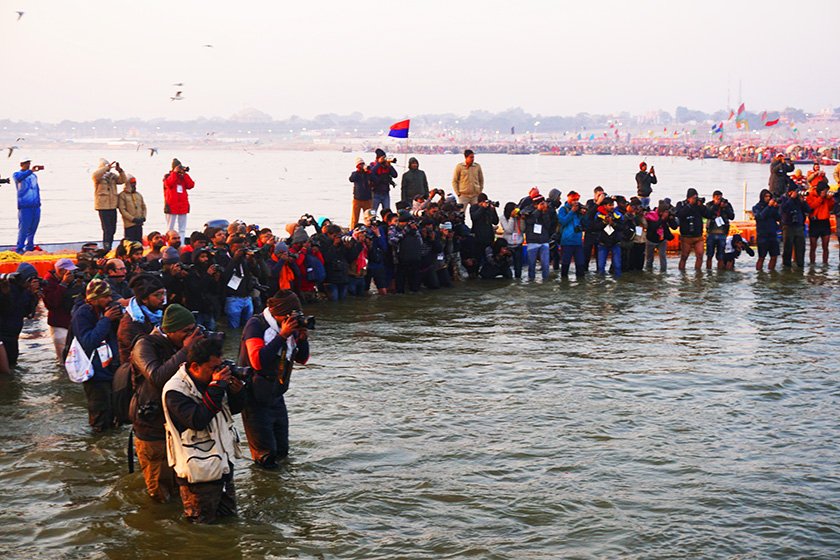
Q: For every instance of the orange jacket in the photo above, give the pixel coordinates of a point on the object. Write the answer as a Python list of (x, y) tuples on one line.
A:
[(820, 206)]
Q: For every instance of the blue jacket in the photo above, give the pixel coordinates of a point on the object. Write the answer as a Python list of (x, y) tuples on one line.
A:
[(28, 192), (766, 220), (91, 331), (794, 211), (382, 178), (571, 230)]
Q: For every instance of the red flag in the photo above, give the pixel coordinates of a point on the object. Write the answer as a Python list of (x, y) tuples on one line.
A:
[(741, 109), (731, 114), (399, 130), (774, 122)]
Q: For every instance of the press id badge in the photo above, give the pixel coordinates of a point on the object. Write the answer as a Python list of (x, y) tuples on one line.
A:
[(639, 231), (105, 354), (609, 230), (719, 221), (234, 282), (537, 229), (180, 189)]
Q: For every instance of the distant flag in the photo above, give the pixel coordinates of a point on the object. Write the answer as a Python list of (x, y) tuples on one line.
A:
[(592, 136), (717, 128), (731, 114), (740, 118), (616, 132), (774, 122), (579, 137), (763, 116), (399, 130)]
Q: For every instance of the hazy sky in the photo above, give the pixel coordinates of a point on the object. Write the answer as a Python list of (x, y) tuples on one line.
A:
[(84, 59)]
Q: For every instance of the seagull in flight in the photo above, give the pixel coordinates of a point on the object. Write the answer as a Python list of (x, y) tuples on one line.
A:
[(152, 151), (177, 97), (19, 139), (11, 150), (20, 15), (205, 46), (179, 84)]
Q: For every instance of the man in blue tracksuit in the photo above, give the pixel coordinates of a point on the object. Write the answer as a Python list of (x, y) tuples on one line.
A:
[(29, 205)]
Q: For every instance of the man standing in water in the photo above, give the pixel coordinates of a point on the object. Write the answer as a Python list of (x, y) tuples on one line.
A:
[(468, 180), (105, 195), (29, 205)]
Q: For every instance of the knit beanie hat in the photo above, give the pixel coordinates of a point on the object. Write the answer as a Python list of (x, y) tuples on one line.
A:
[(380, 153), (131, 246), (534, 192), (144, 285), (96, 289), (175, 318), (691, 192), (359, 160), (283, 303), (281, 247), (300, 236), (537, 199), (175, 163), (170, 256)]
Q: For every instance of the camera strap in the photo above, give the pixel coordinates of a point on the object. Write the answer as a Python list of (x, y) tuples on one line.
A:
[(130, 451)]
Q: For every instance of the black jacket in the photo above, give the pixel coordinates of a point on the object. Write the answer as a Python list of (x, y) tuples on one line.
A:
[(766, 220), (154, 361), (539, 226), (714, 211), (779, 177), (484, 221), (691, 217), (413, 182), (793, 211), (644, 180)]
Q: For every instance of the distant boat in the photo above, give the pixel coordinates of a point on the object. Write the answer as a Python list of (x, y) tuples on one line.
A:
[(346, 149)]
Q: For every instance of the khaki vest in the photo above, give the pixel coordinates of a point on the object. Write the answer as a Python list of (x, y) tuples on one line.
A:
[(200, 455)]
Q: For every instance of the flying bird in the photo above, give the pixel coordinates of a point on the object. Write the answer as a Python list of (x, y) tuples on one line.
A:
[(177, 97), (205, 46), (179, 84), (19, 139), (20, 15), (152, 151), (12, 150)]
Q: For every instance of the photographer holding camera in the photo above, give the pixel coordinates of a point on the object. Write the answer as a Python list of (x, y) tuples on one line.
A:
[(570, 216), (497, 261), (382, 176), (199, 402), (484, 218), (779, 180), (719, 212), (176, 200), (203, 288), (63, 286), (132, 208), (19, 294), (407, 245), (155, 358), (238, 281), (793, 211), (822, 205), (94, 324), (339, 251), (271, 344), (690, 214), (105, 195), (28, 204), (413, 182), (644, 180), (362, 194), (144, 312)]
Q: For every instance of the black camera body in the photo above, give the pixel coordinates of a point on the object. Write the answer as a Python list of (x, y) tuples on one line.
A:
[(5, 181), (303, 321), (307, 220), (243, 373), (218, 336)]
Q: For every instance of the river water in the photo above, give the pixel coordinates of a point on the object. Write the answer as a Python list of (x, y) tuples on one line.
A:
[(661, 416)]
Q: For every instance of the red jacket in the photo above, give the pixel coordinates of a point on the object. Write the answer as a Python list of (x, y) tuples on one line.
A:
[(175, 189)]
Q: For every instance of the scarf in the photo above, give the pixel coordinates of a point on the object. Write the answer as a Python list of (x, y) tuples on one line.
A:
[(273, 331), (139, 313)]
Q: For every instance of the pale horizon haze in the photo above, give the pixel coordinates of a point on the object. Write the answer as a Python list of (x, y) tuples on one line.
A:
[(91, 59)]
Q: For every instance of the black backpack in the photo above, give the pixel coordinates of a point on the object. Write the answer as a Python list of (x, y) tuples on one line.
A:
[(122, 390)]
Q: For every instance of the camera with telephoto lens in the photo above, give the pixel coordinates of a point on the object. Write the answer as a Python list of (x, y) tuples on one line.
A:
[(243, 373), (218, 336), (701, 200), (391, 160), (303, 321), (6, 181)]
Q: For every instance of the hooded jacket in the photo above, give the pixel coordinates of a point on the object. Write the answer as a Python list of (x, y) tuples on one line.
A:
[(130, 203), (105, 187), (413, 182), (154, 360), (28, 191), (766, 218), (794, 211), (93, 331), (17, 304), (779, 179)]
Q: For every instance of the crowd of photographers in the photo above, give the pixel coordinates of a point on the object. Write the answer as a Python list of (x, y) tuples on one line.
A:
[(145, 318)]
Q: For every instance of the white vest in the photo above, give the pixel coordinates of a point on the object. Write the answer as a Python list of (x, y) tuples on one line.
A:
[(200, 455)]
